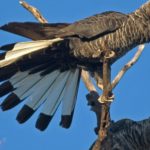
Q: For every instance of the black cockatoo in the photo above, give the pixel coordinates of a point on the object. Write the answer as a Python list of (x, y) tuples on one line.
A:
[(46, 71)]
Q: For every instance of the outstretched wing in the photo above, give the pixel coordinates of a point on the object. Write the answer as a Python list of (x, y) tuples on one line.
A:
[(32, 74), (94, 26), (34, 31), (90, 27), (29, 73)]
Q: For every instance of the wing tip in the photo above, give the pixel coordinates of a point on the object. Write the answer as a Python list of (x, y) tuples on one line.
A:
[(3, 27), (25, 113), (11, 101), (5, 88), (66, 121), (43, 121)]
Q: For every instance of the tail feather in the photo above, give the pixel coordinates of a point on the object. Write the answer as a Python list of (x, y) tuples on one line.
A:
[(36, 60), (5, 88), (35, 99), (24, 114), (55, 92), (53, 99), (18, 77), (40, 67), (43, 121), (11, 101), (34, 75), (69, 98), (50, 69), (20, 88), (26, 84), (7, 72), (48, 90), (10, 84)]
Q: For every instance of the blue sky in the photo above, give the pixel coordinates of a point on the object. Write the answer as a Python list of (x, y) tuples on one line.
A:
[(132, 94)]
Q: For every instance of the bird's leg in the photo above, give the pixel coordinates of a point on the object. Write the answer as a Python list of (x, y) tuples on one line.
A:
[(109, 54), (107, 95)]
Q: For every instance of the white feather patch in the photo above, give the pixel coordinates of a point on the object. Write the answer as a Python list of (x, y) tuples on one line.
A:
[(24, 48)]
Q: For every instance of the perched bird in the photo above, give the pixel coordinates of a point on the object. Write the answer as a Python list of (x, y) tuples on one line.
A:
[(46, 71), (128, 134)]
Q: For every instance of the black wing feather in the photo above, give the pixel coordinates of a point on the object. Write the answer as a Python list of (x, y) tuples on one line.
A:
[(34, 31), (90, 27), (99, 24)]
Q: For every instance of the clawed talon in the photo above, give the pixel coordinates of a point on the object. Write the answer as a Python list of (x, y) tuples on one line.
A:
[(102, 99), (110, 54), (100, 85)]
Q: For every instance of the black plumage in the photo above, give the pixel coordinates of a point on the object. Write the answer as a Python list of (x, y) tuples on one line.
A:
[(127, 134), (47, 71)]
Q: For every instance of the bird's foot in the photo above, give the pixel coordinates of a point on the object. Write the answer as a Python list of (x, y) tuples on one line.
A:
[(109, 54), (103, 99)]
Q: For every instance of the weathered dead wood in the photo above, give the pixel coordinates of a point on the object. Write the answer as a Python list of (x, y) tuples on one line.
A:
[(105, 113), (128, 66), (102, 109), (87, 81), (35, 12)]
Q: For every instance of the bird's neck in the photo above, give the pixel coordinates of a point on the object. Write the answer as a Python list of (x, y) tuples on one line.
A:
[(144, 11), (135, 31)]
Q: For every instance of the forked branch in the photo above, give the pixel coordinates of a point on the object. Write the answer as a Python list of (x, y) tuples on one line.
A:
[(128, 66), (33, 11)]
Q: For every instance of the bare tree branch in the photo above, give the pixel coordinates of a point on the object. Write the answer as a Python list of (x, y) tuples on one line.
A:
[(33, 11), (128, 66), (105, 113), (98, 79), (86, 79)]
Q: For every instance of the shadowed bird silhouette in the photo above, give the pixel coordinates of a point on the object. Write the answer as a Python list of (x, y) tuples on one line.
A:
[(46, 71), (127, 134)]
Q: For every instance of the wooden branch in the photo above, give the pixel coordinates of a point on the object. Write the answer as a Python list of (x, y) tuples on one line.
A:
[(98, 79), (103, 127), (86, 79), (106, 80), (103, 108), (33, 11), (107, 95), (127, 66), (105, 113)]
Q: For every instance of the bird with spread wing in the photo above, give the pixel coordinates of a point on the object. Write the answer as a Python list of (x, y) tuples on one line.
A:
[(46, 71)]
